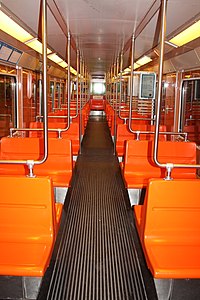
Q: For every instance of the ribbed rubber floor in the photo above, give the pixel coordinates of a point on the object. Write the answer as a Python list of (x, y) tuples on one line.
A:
[(96, 258)]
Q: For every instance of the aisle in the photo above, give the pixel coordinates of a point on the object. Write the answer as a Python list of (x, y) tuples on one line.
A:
[(96, 258)]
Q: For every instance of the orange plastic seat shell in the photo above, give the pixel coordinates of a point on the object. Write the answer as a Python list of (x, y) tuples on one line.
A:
[(27, 225), (139, 167), (71, 134), (58, 164), (169, 228), (123, 134)]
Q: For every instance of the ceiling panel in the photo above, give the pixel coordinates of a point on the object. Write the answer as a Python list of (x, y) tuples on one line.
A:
[(180, 12), (56, 37), (101, 28), (25, 10), (186, 61)]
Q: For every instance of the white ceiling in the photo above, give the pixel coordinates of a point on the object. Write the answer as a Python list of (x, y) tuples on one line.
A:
[(101, 27)]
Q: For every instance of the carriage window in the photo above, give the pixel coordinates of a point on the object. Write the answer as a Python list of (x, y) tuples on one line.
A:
[(52, 94), (197, 90), (190, 104), (7, 103), (98, 88)]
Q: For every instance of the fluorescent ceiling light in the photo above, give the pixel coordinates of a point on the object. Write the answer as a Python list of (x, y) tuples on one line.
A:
[(63, 64), (12, 28), (143, 61), (189, 34), (55, 58), (127, 70), (73, 71), (135, 66), (36, 45)]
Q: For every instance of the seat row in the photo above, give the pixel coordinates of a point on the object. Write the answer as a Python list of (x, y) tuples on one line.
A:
[(167, 212), (31, 207)]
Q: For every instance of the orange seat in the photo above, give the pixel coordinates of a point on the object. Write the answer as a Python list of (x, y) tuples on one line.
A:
[(28, 225), (71, 134), (96, 104), (169, 228), (58, 164), (139, 166), (193, 133), (51, 125), (124, 134)]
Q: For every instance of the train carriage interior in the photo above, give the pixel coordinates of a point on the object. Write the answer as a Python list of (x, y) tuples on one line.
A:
[(100, 150)]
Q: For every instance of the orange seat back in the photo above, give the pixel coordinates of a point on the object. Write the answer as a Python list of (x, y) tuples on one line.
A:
[(58, 164), (169, 228), (139, 165), (27, 225), (71, 134), (51, 125)]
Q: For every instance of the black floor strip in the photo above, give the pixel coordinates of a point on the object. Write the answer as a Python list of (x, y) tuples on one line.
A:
[(97, 257)]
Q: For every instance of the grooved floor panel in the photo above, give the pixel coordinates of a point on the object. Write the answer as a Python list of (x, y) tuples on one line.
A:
[(96, 258)]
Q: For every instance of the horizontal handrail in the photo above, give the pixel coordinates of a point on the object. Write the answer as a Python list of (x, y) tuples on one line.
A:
[(138, 132), (59, 130), (53, 117)]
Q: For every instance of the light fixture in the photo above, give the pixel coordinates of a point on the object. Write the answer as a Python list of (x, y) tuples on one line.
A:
[(135, 66), (36, 45), (143, 61), (189, 34), (55, 58), (127, 70), (12, 28), (63, 64), (73, 71)]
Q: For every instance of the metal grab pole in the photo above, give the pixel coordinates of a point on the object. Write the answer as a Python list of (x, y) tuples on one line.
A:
[(160, 74), (44, 51), (68, 84), (115, 105), (131, 83), (120, 91), (80, 106), (68, 79), (77, 79)]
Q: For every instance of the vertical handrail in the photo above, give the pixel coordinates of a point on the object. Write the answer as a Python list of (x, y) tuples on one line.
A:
[(120, 91), (80, 107), (115, 104), (68, 80), (160, 74), (68, 85), (111, 75), (131, 82), (77, 79), (44, 51), (40, 97)]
